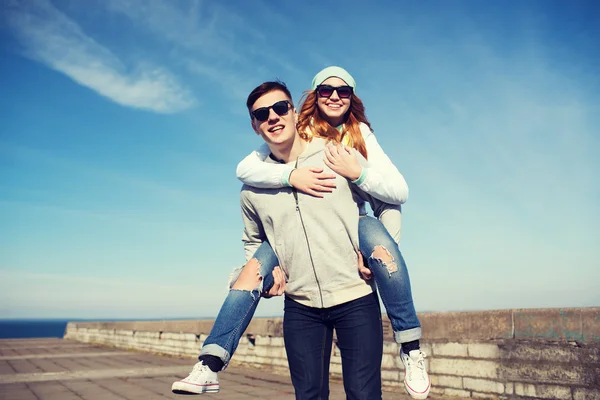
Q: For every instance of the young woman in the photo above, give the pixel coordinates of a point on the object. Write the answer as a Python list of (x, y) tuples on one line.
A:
[(330, 110)]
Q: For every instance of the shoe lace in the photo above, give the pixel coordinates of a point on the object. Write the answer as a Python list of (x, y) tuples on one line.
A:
[(419, 363), (198, 370)]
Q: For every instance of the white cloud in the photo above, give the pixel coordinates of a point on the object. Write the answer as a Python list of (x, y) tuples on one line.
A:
[(206, 39), (194, 28), (50, 37)]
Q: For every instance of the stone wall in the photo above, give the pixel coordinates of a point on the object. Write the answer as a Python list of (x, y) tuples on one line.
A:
[(525, 353)]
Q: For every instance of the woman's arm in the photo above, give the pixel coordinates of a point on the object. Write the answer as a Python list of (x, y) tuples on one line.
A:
[(390, 215), (253, 171), (381, 179)]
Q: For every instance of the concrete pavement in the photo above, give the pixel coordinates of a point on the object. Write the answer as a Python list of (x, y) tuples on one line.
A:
[(57, 369)]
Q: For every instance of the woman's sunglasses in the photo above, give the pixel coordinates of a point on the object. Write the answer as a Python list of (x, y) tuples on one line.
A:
[(281, 108), (327, 91)]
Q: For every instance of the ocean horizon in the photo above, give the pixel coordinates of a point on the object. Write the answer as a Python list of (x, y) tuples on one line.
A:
[(27, 328), (32, 328)]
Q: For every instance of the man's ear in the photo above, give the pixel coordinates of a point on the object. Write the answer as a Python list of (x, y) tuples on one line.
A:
[(253, 126), (295, 117)]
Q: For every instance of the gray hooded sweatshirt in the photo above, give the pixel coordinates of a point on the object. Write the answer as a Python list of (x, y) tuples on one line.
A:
[(315, 239)]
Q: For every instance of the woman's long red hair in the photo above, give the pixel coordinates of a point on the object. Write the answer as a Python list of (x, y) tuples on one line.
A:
[(310, 120)]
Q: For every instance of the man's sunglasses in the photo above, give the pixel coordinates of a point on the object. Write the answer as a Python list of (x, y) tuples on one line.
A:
[(327, 91), (281, 108)]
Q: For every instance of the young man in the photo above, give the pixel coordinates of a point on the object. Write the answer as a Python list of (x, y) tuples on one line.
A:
[(316, 243)]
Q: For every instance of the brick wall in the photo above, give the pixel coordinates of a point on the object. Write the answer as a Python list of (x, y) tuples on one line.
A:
[(528, 353)]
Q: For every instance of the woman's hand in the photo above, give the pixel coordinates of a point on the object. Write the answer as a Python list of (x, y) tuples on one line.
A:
[(312, 180), (340, 159), (278, 287)]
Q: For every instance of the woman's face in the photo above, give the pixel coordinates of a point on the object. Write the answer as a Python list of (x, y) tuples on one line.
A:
[(333, 108)]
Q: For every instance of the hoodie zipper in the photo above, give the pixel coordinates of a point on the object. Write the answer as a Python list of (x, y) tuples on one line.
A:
[(295, 192)]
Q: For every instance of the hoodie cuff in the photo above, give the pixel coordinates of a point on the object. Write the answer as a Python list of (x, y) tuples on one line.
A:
[(362, 177), (285, 177)]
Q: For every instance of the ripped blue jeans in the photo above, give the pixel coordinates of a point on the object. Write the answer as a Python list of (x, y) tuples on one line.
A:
[(391, 277)]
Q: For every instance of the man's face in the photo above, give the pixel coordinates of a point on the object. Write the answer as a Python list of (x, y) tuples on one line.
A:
[(276, 129)]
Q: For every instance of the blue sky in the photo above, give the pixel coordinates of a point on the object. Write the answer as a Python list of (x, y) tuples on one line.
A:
[(123, 122)]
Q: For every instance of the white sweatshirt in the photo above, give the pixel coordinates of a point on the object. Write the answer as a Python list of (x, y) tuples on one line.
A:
[(314, 239), (380, 179)]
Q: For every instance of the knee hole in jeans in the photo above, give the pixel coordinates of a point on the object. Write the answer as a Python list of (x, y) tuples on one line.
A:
[(250, 278), (381, 254)]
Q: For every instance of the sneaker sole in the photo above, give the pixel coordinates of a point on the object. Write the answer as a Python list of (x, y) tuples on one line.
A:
[(188, 388), (417, 395)]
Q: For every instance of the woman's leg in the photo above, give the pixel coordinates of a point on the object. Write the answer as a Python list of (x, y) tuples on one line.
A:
[(233, 319), (239, 306), (360, 339), (308, 340), (388, 267), (391, 275)]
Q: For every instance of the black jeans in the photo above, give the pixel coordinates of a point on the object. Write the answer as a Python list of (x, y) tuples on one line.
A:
[(308, 335)]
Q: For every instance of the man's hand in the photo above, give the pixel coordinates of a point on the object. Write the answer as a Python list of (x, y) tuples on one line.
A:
[(278, 286), (365, 272), (340, 159), (312, 180)]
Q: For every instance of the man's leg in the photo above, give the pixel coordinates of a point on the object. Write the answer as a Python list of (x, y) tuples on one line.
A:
[(308, 339), (360, 339)]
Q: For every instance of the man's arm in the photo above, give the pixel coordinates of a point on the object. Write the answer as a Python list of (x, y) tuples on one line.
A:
[(253, 236), (254, 233)]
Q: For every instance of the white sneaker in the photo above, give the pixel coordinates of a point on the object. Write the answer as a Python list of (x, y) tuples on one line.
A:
[(416, 380), (201, 380)]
